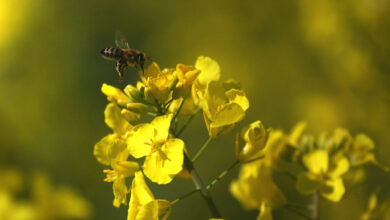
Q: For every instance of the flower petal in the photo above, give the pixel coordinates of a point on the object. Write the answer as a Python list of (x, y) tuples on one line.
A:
[(120, 192), (161, 124), (210, 70), (140, 195), (316, 161), (108, 148), (227, 115), (333, 190), (140, 140), (162, 165), (115, 120)]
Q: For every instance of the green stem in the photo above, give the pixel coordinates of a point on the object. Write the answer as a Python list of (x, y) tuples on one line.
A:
[(201, 187), (187, 122), (315, 215), (201, 149), (220, 176), (184, 196)]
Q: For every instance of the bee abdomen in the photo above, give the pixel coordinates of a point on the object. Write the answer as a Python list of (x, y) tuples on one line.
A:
[(111, 53)]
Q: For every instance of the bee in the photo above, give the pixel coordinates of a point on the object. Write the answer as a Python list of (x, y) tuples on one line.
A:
[(123, 55)]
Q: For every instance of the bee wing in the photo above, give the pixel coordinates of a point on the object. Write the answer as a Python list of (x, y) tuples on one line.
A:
[(121, 41)]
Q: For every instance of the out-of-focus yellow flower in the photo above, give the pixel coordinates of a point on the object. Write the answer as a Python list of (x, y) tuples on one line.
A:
[(164, 155), (111, 151), (210, 70), (223, 104), (143, 205), (361, 151), (255, 137), (57, 203), (159, 82), (186, 76), (115, 95), (296, 133), (10, 209), (324, 174), (375, 209), (255, 189)]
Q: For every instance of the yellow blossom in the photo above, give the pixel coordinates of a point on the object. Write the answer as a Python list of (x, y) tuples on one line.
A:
[(255, 186), (164, 155), (324, 174), (210, 70), (111, 151), (255, 138), (143, 205), (115, 95), (160, 83), (223, 104)]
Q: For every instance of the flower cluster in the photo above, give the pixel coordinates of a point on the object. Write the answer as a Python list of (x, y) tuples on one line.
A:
[(145, 142), (319, 165), (143, 119)]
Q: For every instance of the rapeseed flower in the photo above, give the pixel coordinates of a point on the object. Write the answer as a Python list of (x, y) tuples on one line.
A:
[(143, 205), (324, 174), (164, 155)]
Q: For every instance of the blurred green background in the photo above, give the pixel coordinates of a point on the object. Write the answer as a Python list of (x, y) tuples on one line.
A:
[(326, 62)]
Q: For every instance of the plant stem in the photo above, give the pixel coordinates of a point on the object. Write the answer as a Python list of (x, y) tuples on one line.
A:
[(201, 187), (187, 122), (184, 196), (220, 176), (315, 215), (201, 149)]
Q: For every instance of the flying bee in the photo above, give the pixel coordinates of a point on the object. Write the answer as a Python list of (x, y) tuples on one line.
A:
[(124, 55)]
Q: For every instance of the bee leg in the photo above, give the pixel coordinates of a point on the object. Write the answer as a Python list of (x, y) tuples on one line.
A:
[(120, 68)]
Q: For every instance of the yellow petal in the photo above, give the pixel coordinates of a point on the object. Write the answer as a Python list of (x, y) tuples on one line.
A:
[(162, 165), (126, 168), (228, 114), (316, 161), (265, 212), (115, 95), (148, 212), (255, 137), (164, 208), (162, 124), (255, 186), (108, 148), (238, 96), (120, 192), (115, 120), (140, 140), (307, 183), (296, 133), (333, 190), (140, 196), (210, 70), (339, 166)]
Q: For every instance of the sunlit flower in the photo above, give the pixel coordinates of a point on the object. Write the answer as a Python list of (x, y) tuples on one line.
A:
[(164, 155), (255, 189), (160, 83), (324, 174), (111, 151), (223, 104), (255, 137), (210, 70), (115, 95), (143, 205)]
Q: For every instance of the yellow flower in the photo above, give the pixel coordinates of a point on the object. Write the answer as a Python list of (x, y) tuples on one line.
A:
[(324, 174), (223, 104), (159, 82), (164, 155), (255, 188), (143, 205), (57, 202), (255, 138), (376, 209), (361, 151), (210, 70), (111, 151), (115, 95)]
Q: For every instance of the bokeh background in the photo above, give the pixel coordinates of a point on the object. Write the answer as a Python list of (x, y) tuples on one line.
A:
[(326, 62)]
